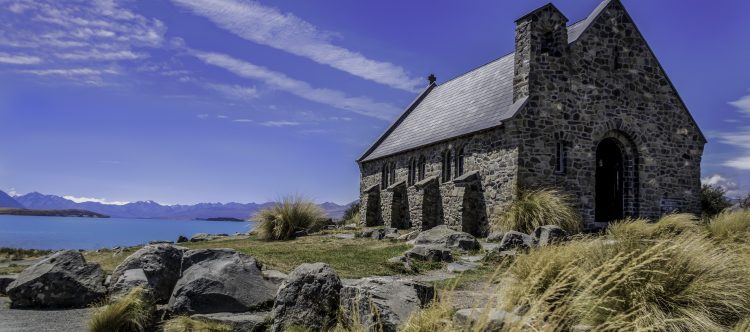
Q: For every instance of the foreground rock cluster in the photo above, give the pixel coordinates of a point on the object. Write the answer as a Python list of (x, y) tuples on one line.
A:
[(229, 287)]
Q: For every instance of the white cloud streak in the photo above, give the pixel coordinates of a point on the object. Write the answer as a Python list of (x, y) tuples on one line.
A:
[(95, 200), (19, 59), (282, 123), (740, 139), (234, 91), (284, 31), (68, 35), (335, 98)]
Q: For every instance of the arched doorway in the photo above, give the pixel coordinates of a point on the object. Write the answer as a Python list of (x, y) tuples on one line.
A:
[(609, 181)]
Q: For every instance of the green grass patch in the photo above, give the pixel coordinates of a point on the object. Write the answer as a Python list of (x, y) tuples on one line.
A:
[(354, 258), (187, 324)]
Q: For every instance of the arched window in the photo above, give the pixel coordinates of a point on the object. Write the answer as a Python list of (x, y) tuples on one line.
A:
[(384, 173), (560, 157), (412, 171), (616, 61), (392, 178), (548, 41), (460, 162), (421, 168), (447, 161)]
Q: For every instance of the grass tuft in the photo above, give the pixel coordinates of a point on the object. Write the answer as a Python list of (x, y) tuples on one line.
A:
[(187, 324), (534, 208), (292, 213), (130, 313), (732, 227)]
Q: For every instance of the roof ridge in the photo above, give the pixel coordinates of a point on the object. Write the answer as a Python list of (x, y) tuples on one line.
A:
[(478, 67)]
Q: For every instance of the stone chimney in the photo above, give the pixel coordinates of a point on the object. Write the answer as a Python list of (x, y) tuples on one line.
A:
[(541, 46)]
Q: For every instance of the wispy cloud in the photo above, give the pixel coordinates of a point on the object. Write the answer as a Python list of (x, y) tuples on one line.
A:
[(95, 200), (739, 139), (742, 104), (285, 31), (65, 36), (281, 123), (19, 59), (234, 91), (730, 186), (335, 98), (242, 120)]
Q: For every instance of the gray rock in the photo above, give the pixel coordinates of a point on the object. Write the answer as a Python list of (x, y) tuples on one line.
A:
[(429, 253), (484, 319), (182, 239), (513, 239), (344, 236), (159, 242), (373, 233), (550, 234), (239, 322), (460, 266), (350, 227), (308, 298), (128, 280), (160, 265), (274, 276), (443, 236), (393, 299), (200, 237), (396, 260), (300, 233), (4, 282), (61, 280), (495, 236), (408, 236), (220, 280), (490, 246)]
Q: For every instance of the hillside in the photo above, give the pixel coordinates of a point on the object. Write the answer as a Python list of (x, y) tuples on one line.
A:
[(151, 209), (52, 213), (8, 202)]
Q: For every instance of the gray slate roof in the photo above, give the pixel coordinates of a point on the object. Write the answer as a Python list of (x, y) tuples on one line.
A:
[(477, 100)]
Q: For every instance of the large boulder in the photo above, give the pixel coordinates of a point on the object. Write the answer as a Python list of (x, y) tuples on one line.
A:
[(484, 319), (238, 322), (158, 264), (549, 234), (429, 253), (220, 280), (446, 237), (61, 280), (383, 303), (378, 233), (514, 239), (4, 282), (495, 236), (308, 298)]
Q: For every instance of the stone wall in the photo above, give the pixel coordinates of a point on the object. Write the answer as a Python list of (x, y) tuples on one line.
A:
[(492, 153), (609, 84)]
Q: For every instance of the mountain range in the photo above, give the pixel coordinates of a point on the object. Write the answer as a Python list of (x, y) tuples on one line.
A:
[(151, 209)]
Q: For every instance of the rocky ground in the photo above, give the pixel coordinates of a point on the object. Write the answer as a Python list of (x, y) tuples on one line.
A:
[(14, 320), (229, 286)]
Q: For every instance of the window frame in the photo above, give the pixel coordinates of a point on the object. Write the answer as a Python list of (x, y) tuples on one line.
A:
[(561, 157)]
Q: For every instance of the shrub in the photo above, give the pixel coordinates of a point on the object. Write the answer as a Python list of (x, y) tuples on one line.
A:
[(130, 313), (733, 227), (187, 324), (292, 213), (713, 200), (352, 212), (534, 208), (675, 280)]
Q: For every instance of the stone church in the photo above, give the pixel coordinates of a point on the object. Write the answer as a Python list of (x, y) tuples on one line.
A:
[(584, 108)]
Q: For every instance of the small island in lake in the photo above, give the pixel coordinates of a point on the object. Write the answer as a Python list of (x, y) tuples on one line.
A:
[(52, 213), (221, 219)]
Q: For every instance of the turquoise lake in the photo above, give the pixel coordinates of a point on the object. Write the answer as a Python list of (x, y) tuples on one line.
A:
[(95, 233)]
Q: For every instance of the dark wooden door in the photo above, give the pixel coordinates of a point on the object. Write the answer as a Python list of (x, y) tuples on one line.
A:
[(609, 182)]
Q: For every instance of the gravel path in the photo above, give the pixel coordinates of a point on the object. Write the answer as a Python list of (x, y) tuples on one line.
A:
[(16, 320)]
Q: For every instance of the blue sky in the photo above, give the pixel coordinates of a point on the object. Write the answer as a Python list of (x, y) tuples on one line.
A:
[(185, 101)]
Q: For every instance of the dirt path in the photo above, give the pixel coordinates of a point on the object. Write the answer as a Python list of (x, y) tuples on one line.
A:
[(16, 320)]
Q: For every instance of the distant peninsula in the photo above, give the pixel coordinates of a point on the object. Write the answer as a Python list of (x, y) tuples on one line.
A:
[(221, 219), (52, 213)]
